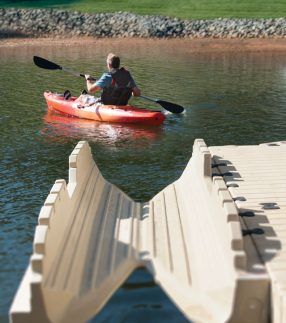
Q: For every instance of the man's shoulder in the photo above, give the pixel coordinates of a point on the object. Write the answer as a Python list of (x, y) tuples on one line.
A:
[(106, 75), (104, 80)]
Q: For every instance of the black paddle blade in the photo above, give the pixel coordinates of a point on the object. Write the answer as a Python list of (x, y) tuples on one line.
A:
[(44, 63), (172, 107)]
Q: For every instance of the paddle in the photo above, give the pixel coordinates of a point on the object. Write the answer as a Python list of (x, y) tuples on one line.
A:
[(44, 63), (172, 107)]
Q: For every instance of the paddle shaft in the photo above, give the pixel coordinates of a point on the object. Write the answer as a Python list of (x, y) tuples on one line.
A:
[(71, 71), (68, 70), (147, 98)]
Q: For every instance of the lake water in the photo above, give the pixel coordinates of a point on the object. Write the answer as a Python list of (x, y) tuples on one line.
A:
[(230, 98)]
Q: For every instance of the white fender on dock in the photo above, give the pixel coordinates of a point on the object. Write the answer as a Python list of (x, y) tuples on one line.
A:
[(91, 236)]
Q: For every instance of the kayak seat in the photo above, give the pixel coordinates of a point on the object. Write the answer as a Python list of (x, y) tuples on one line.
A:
[(67, 95)]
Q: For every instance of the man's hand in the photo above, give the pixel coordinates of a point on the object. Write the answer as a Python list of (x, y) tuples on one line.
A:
[(89, 78)]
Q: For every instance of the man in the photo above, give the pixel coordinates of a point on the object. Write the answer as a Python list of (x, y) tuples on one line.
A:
[(117, 85)]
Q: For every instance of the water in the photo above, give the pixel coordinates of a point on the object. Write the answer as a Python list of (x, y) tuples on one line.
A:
[(230, 98)]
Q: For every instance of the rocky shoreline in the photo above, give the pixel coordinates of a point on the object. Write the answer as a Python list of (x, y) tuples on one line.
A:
[(62, 23)]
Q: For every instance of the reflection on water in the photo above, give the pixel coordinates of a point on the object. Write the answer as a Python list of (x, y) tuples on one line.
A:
[(62, 128), (230, 98)]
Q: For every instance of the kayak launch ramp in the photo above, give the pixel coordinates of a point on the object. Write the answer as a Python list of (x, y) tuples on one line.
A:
[(195, 237)]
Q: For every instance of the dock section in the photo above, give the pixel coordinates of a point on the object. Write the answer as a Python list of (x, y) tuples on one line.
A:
[(210, 239), (256, 179)]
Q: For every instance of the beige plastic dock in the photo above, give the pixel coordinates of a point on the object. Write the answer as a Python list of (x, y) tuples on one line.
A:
[(214, 240)]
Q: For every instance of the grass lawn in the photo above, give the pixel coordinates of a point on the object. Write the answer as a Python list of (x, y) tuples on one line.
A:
[(190, 9)]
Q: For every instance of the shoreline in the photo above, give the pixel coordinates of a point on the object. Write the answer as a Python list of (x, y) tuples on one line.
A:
[(65, 23), (192, 45)]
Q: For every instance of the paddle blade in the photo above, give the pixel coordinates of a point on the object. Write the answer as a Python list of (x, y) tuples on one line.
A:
[(172, 107), (44, 63)]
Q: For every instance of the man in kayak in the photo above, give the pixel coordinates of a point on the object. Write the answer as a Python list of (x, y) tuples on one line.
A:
[(117, 85)]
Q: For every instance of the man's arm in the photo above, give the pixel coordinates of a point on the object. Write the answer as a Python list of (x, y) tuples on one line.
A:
[(91, 85), (136, 91)]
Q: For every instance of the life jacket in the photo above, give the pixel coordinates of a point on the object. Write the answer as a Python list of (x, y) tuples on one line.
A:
[(119, 92)]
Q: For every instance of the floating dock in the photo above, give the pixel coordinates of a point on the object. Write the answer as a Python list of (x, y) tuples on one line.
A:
[(214, 240)]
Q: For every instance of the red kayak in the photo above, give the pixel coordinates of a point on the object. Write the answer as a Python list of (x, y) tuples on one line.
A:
[(81, 108)]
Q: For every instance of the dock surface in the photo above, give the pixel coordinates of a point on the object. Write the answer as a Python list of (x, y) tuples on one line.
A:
[(256, 180), (214, 240)]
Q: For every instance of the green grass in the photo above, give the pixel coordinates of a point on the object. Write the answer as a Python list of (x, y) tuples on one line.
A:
[(190, 9)]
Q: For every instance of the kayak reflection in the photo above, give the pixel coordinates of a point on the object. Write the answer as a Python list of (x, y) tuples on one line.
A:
[(63, 128)]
